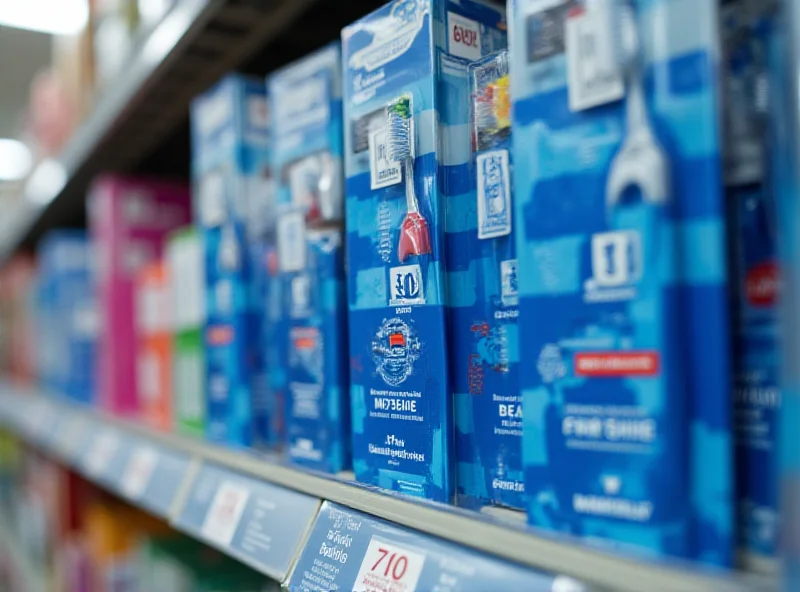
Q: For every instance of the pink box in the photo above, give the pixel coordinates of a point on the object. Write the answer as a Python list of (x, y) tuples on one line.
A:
[(129, 220)]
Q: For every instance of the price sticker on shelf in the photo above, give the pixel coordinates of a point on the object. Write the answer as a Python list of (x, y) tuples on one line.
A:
[(68, 431), (101, 452), (388, 568), (38, 419), (139, 471), (225, 513)]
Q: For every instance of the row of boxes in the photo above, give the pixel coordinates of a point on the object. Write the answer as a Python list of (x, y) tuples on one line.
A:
[(360, 286)]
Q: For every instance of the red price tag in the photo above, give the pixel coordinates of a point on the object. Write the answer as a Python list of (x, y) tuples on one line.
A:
[(388, 568), (139, 471), (225, 513)]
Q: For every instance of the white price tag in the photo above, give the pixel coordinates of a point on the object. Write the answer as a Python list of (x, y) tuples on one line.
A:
[(465, 37), (292, 241), (382, 171), (140, 469), (39, 418), (103, 449), (388, 568), (225, 513), (593, 69), (65, 440)]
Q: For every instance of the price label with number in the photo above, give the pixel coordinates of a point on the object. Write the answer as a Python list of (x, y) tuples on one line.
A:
[(101, 452), (225, 513), (388, 568), (139, 471)]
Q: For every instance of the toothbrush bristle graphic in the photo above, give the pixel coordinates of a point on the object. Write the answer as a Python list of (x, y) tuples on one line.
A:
[(415, 237)]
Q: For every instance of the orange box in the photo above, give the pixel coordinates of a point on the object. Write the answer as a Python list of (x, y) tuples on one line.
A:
[(113, 533), (154, 351)]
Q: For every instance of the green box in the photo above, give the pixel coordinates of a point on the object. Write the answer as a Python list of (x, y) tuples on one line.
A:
[(187, 280)]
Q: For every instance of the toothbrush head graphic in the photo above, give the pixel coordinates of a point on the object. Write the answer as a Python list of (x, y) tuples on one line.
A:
[(641, 162), (415, 236)]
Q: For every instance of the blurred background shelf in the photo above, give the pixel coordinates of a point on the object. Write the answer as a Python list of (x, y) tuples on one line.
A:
[(75, 435), (18, 571), (139, 123)]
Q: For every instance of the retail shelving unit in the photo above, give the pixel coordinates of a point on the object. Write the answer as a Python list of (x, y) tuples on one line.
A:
[(196, 43), (283, 521), (279, 519)]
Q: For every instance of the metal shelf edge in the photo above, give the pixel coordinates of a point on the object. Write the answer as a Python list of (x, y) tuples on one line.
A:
[(544, 553)]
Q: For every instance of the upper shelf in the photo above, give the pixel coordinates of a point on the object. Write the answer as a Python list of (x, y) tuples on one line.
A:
[(108, 450), (195, 44)]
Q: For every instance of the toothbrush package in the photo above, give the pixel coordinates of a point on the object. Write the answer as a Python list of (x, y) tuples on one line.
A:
[(747, 26), (69, 324), (229, 152), (399, 103), (620, 232), (307, 142), (482, 299), (260, 248), (185, 260)]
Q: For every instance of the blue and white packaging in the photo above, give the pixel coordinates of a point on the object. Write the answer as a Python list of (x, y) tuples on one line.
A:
[(70, 324), (307, 137), (747, 26), (229, 151), (406, 133), (482, 300), (620, 226)]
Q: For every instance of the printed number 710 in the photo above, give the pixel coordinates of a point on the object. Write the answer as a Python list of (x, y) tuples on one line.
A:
[(396, 565)]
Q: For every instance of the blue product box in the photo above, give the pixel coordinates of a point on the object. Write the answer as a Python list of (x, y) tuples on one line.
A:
[(229, 154), (307, 138), (783, 179), (482, 299), (274, 346), (746, 28), (406, 147), (67, 283), (620, 226)]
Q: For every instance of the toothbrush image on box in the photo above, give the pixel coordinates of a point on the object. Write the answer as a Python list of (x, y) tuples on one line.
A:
[(640, 162), (415, 237)]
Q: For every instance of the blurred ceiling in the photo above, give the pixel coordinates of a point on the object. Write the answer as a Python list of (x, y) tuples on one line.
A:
[(22, 55)]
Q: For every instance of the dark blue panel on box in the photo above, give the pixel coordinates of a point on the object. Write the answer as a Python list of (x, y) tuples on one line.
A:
[(259, 523), (348, 550)]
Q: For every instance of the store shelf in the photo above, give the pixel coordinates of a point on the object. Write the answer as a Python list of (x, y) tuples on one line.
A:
[(185, 481), (195, 44)]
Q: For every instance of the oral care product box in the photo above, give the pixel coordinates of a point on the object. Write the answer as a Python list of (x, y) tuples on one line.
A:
[(784, 182), (70, 326), (153, 360), (746, 29), (229, 148), (129, 220), (260, 231), (406, 131), (307, 141), (620, 231), (482, 300), (185, 260)]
